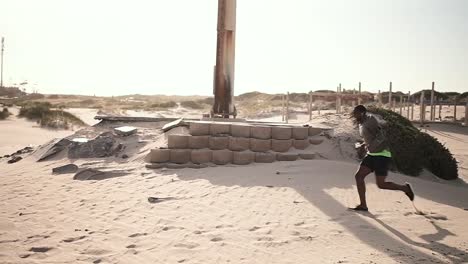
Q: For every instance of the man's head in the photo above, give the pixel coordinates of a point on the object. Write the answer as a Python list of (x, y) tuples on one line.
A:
[(359, 112)]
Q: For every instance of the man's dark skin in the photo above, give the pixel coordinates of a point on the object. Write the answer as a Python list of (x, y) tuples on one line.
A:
[(363, 171)]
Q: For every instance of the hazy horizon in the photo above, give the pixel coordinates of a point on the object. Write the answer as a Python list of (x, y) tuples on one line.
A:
[(168, 47)]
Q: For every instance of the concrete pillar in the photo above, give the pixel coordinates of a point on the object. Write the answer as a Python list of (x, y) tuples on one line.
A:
[(267, 157), (412, 111), (222, 157), (287, 108), (300, 132), (282, 108), (401, 104), (239, 144), (432, 102), (260, 132), (379, 99), (199, 142), (243, 158), (440, 111), (200, 156), (281, 145), (408, 106)]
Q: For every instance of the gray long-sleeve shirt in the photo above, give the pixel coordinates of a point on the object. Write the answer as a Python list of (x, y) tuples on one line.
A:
[(374, 137)]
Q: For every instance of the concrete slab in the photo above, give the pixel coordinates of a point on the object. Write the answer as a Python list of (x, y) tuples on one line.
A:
[(281, 132), (260, 145), (180, 156), (243, 158), (281, 145), (222, 157), (199, 142), (200, 156), (218, 143), (239, 143), (178, 141)]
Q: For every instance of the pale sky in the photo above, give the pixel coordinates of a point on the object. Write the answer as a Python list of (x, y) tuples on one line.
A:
[(111, 47)]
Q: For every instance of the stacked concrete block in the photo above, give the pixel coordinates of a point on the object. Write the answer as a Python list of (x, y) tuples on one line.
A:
[(266, 157), (199, 128), (239, 143), (218, 143), (160, 155), (281, 132), (281, 145), (315, 141), (287, 156), (222, 157), (314, 131), (300, 132), (243, 158), (260, 132), (199, 142), (178, 141), (180, 156), (200, 156), (307, 156), (240, 130), (220, 129), (260, 145), (301, 143)]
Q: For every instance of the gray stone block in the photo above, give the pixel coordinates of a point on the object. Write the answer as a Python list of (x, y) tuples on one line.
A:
[(218, 143), (180, 156), (260, 145), (178, 141), (287, 156), (160, 155), (260, 132), (199, 142), (301, 143), (240, 130), (199, 156), (281, 145), (199, 128), (300, 132), (315, 141), (222, 157), (239, 143), (281, 132), (307, 156), (243, 158), (220, 129), (266, 157)]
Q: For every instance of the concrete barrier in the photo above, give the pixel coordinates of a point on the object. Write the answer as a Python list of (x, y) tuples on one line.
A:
[(199, 128), (243, 158), (220, 129), (178, 141), (313, 131), (160, 155), (199, 142), (199, 156), (287, 156), (240, 130), (218, 143), (307, 156), (260, 145), (180, 156), (281, 132), (260, 132), (301, 143), (266, 157), (222, 157), (300, 132), (281, 145), (239, 144)]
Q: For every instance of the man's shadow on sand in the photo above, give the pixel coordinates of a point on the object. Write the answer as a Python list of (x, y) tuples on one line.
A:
[(297, 175)]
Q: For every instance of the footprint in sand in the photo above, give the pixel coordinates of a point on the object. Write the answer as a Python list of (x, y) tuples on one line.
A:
[(40, 249), (131, 246), (188, 245), (216, 239), (254, 228), (138, 234), (73, 239)]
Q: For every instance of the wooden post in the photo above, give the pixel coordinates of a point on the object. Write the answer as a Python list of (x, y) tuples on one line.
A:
[(359, 95), (432, 102), (282, 108), (401, 104), (440, 111), (466, 113), (390, 97), (287, 108), (379, 99), (310, 106), (394, 104), (408, 105), (422, 110), (412, 111), (455, 111)]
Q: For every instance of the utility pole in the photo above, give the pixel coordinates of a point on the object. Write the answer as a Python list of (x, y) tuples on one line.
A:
[(1, 70)]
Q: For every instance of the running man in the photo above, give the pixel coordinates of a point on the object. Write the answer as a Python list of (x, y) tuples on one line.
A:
[(377, 159)]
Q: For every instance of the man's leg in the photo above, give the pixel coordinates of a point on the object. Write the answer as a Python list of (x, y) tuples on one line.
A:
[(382, 184), (360, 175)]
